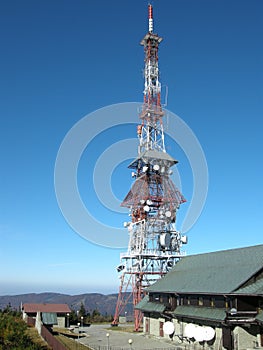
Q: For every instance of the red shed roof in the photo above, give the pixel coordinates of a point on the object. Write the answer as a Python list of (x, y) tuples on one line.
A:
[(58, 308)]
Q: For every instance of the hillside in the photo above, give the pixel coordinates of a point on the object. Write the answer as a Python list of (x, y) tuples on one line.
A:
[(105, 304)]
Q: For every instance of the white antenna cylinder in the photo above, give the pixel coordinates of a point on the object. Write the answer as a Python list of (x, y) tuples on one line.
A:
[(150, 13)]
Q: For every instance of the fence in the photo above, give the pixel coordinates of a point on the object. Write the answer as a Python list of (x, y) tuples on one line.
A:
[(51, 340), (31, 321), (175, 347), (105, 347)]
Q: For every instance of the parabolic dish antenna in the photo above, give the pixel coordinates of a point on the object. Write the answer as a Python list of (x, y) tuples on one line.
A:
[(209, 333), (165, 240), (168, 327), (189, 330), (199, 333)]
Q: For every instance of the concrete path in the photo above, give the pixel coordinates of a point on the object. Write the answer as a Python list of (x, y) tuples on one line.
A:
[(102, 337)]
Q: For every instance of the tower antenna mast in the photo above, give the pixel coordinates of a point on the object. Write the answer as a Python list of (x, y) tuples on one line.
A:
[(154, 242)]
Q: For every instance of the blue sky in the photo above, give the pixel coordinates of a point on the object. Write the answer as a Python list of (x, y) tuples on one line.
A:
[(62, 60)]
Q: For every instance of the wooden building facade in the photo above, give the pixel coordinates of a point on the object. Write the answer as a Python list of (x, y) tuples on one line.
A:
[(220, 293)]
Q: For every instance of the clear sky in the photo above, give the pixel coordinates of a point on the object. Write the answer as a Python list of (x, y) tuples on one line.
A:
[(62, 60)]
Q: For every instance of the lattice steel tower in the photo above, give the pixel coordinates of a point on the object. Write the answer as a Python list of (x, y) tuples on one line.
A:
[(154, 243)]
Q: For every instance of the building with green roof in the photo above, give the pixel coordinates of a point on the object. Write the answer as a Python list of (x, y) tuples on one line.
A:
[(218, 293)]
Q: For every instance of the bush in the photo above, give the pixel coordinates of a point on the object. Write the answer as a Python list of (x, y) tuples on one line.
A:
[(13, 332)]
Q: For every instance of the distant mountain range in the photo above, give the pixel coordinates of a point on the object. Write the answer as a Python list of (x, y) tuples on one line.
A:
[(105, 304)]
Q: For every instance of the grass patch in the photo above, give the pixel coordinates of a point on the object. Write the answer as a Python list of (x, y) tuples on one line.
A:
[(67, 332), (129, 329), (71, 344), (36, 338)]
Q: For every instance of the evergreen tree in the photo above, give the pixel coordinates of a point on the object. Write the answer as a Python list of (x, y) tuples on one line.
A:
[(13, 334), (82, 310)]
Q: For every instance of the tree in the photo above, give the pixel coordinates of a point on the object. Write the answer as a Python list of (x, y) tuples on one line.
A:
[(13, 332), (82, 310), (73, 317)]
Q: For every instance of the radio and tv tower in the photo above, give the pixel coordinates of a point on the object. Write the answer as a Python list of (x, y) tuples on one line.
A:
[(154, 243)]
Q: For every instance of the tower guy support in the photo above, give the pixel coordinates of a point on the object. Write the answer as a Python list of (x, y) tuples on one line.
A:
[(153, 201)]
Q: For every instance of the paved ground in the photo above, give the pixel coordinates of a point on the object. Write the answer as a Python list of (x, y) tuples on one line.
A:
[(97, 339)]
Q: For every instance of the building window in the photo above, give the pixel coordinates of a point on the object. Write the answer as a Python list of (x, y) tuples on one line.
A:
[(220, 302), (186, 301), (194, 300), (157, 297), (172, 302), (200, 301), (206, 301)]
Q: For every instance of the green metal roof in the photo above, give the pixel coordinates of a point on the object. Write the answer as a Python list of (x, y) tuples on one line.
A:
[(217, 272), (49, 318), (148, 306), (200, 312), (253, 288), (259, 317)]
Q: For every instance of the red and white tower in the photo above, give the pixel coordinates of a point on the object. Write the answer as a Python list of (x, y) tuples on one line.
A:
[(153, 201)]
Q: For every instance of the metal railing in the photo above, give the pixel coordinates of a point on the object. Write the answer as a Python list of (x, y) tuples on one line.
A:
[(175, 347)]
